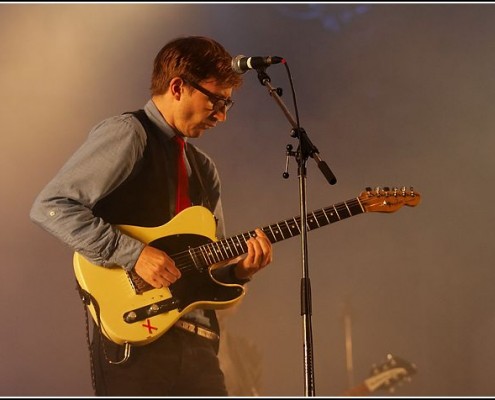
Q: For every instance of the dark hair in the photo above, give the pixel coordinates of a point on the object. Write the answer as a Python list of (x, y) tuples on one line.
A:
[(195, 58)]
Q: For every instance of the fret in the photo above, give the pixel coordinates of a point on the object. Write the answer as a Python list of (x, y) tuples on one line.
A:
[(274, 238), (231, 247), (243, 235), (212, 253), (355, 207), (282, 233), (360, 205), (331, 215), (316, 219), (295, 227), (277, 234), (204, 253), (289, 228), (320, 217), (221, 250), (297, 220), (215, 252), (241, 245), (312, 223), (194, 259), (249, 236), (326, 216), (286, 229), (346, 206), (336, 213), (344, 211)]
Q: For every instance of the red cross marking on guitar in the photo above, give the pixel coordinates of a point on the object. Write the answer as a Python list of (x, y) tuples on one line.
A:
[(149, 326)]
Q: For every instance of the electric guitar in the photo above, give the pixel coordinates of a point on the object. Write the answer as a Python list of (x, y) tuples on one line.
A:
[(386, 376), (129, 310)]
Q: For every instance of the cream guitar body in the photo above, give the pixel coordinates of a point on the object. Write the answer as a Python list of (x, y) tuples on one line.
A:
[(131, 311)]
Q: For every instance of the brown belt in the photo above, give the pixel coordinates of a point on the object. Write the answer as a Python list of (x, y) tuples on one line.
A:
[(198, 330)]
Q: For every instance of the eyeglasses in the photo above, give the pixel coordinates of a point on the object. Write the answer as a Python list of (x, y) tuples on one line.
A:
[(217, 101)]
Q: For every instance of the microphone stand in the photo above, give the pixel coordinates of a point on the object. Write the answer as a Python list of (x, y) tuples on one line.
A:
[(305, 150)]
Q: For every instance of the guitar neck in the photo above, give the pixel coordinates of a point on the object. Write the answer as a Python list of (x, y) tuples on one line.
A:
[(235, 246), (314, 220)]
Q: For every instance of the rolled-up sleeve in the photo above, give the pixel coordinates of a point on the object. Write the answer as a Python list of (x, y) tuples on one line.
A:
[(64, 205)]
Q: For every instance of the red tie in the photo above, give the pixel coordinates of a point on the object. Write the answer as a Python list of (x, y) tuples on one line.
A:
[(183, 200)]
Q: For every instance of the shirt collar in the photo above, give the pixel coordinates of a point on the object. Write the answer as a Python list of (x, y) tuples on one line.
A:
[(156, 116)]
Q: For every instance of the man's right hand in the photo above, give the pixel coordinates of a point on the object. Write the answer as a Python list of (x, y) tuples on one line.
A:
[(156, 267)]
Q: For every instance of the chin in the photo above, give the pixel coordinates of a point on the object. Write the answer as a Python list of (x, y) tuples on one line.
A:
[(198, 133)]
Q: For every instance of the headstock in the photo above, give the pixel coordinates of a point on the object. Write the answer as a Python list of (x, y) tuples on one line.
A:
[(388, 200), (389, 374)]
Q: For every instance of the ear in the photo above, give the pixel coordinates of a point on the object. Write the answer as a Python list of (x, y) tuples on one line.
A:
[(176, 87)]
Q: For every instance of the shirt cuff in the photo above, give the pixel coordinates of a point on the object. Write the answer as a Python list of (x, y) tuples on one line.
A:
[(127, 252)]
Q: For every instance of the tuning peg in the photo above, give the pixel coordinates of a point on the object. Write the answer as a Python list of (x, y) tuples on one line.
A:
[(411, 191), (391, 360)]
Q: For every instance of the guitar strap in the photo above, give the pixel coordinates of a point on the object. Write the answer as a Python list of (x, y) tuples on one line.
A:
[(86, 299)]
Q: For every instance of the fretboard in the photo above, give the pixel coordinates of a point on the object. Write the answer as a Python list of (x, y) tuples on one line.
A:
[(235, 246)]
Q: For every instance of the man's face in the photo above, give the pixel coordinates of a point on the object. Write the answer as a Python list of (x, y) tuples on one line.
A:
[(203, 105)]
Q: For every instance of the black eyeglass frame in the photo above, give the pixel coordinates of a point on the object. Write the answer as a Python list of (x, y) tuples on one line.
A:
[(217, 101)]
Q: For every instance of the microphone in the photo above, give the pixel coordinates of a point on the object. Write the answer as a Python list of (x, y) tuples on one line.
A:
[(241, 64)]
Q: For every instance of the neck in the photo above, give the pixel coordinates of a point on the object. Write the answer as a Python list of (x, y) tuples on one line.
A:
[(165, 106)]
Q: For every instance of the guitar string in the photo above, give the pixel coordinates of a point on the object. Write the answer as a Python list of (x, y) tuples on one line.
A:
[(207, 254), (185, 262)]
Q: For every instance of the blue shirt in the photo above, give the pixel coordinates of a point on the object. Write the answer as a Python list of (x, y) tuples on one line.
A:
[(102, 163)]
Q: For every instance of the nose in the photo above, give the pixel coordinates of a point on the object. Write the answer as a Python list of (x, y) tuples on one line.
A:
[(221, 114)]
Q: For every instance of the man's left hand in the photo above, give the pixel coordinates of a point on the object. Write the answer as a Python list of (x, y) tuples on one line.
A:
[(258, 257)]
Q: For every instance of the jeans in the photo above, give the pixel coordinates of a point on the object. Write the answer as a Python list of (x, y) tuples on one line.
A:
[(179, 363)]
